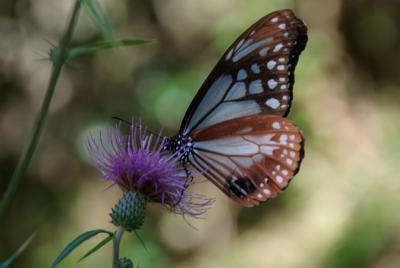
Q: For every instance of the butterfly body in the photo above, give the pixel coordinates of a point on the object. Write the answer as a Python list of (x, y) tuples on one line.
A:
[(235, 131), (182, 144)]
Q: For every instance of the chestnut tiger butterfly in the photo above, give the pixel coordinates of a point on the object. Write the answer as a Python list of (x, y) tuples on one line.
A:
[(235, 132)]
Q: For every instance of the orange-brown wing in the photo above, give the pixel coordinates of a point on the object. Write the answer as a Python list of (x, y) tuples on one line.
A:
[(251, 159)]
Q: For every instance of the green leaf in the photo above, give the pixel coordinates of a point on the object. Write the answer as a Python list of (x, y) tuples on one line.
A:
[(97, 247), (96, 13), (7, 263), (76, 52), (76, 242), (140, 240)]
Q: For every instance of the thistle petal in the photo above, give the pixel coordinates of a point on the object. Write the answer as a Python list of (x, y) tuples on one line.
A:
[(137, 162)]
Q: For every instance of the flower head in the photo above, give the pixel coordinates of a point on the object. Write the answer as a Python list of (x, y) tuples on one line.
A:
[(137, 162)]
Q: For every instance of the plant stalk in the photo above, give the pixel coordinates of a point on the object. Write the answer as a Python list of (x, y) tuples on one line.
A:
[(26, 156), (117, 241)]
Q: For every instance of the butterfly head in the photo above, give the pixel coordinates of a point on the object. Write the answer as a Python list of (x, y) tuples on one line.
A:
[(182, 144)]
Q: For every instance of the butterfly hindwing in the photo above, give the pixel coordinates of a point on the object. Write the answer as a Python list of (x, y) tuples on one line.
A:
[(250, 159), (254, 76)]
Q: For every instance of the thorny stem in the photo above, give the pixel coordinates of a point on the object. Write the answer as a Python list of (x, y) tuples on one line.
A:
[(26, 156), (117, 241)]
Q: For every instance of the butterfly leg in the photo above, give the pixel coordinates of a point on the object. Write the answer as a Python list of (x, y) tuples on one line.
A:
[(188, 182)]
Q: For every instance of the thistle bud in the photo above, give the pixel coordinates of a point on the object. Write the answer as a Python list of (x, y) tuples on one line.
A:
[(129, 211)]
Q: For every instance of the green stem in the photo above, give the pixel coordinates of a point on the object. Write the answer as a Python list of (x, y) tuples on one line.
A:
[(117, 241), (26, 156)]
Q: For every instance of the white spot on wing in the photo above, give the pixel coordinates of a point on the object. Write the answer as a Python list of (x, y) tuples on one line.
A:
[(278, 47), (266, 191), (281, 67), (271, 64), (282, 26), (279, 179), (274, 19), (283, 137), (276, 125), (272, 83), (273, 103)]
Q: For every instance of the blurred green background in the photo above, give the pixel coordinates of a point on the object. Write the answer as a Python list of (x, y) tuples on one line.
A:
[(341, 210)]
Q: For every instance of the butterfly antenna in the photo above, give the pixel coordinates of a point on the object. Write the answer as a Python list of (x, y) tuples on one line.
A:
[(137, 126), (121, 120)]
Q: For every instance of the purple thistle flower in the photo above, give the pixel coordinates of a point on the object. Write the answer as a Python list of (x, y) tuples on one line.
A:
[(137, 162)]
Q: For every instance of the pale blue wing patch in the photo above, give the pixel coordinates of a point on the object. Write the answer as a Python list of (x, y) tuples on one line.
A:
[(213, 96), (256, 87), (230, 110), (236, 92)]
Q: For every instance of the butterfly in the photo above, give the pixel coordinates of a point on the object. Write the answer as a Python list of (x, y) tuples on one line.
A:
[(235, 132)]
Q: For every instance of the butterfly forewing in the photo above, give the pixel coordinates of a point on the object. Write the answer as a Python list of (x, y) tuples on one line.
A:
[(250, 159), (254, 76)]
